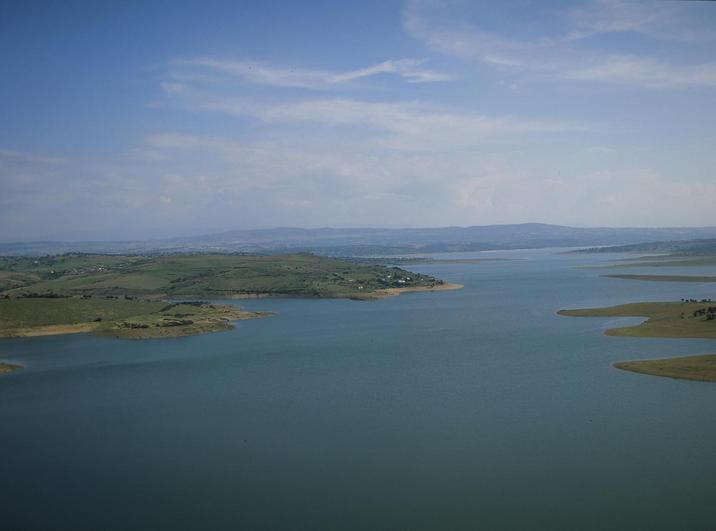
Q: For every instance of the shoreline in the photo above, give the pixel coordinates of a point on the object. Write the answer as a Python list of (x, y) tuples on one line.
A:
[(377, 294), (685, 319), (48, 330), (220, 320), (699, 368), (394, 292), (6, 368)]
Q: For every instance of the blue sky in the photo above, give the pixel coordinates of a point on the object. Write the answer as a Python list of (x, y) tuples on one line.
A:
[(127, 120)]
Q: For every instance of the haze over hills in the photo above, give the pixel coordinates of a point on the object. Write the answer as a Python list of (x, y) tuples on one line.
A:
[(375, 241)]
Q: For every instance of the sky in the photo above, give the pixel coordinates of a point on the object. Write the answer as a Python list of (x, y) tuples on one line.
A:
[(124, 120)]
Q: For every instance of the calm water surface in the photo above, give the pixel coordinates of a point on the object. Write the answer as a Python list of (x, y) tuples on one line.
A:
[(470, 409)]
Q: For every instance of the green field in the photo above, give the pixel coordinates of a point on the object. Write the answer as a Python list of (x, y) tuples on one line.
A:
[(684, 319), (199, 275), (19, 313), (118, 317), (663, 319), (130, 296), (697, 368)]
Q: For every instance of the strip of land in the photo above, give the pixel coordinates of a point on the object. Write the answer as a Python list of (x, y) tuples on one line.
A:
[(663, 319), (9, 367), (666, 278), (116, 317), (684, 319), (137, 297), (697, 368), (657, 261), (394, 292), (183, 276)]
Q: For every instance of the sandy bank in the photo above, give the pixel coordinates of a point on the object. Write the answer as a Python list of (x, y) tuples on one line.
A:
[(49, 330), (394, 292)]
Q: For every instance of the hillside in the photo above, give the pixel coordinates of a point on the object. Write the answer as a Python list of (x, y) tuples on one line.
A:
[(199, 275)]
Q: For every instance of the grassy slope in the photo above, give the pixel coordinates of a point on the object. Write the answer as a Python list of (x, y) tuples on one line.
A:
[(17, 313), (206, 276), (664, 319), (698, 368), (91, 291), (115, 317)]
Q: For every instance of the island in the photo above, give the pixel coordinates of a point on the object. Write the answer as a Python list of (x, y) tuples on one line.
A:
[(144, 297), (688, 318), (697, 368), (9, 367)]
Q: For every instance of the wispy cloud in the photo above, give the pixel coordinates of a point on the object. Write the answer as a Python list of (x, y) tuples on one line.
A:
[(568, 54), (409, 125), (408, 69), (661, 20), (644, 72), (254, 72)]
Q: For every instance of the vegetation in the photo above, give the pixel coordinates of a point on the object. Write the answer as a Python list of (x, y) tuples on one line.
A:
[(687, 318), (129, 296), (422, 260), (9, 367), (698, 368), (697, 247), (199, 275), (118, 317)]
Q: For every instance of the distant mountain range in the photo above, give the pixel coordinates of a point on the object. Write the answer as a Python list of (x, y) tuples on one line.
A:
[(700, 247), (367, 242)]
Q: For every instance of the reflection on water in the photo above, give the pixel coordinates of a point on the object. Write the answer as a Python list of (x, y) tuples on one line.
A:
[(478, 408)]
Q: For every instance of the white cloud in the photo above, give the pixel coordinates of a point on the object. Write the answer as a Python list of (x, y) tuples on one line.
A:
[(645, 73), (254, 72), (408, 69), (330, 180), (566, 54), (405, 125)]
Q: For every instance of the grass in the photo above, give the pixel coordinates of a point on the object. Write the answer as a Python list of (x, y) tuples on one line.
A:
[(685, 319), (198, 275), (663, 319), (128, 296), (18, 313), (697, 368), (130, 319)]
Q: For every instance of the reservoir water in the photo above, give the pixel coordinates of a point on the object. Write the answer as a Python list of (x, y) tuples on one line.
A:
[(471, 409)]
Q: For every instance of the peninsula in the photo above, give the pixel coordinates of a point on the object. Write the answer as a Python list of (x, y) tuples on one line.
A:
[(687, 318), (9, 367), (140, 297)]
